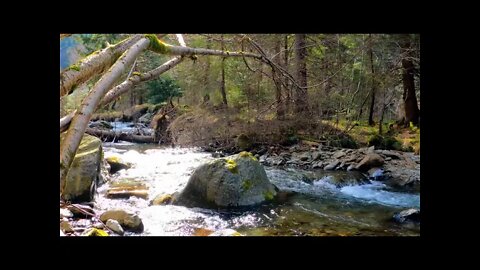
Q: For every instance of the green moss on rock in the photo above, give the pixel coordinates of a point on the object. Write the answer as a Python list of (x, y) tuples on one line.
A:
[(231, 165), (247, 184), (268, 195)]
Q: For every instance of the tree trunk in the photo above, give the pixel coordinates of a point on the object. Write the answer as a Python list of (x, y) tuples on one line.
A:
[(95, 63), (107, 135), (412, 113), (301, 99), (287, 90), (222, 85), (278, 85), (79, 123), (372, 103)]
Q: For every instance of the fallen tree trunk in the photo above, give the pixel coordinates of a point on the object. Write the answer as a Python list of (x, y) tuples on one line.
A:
[(95, 63), (78, 125), (107, 135)]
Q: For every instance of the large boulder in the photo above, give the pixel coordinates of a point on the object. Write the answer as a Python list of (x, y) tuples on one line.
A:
[(237, 180), (85, 171), (369, 161)]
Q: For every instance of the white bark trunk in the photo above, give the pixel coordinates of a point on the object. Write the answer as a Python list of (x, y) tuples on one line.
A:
[(93, 64), (79, 123)]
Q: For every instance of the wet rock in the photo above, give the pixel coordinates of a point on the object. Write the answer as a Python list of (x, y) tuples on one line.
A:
[(376, 174), (84, 174), (126, 188), (226, 232), (237, 180), (338, 154), (66, 227), (162, 199), (115, 226), (332, 165), (390, 154), (341, 179), (369, 161), (98, 225), (129, 221), (316, 155), (65, 213), (409, 215), (351, 167), (318, 164), (116, 164)]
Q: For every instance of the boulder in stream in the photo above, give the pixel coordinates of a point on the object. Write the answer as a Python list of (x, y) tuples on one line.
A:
[(237, 180), (85, 171)]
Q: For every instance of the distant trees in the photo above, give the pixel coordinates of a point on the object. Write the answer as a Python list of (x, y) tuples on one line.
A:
[(412, 113), (301, 93)]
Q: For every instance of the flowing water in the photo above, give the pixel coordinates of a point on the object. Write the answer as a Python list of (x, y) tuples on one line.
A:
[(310, 205)]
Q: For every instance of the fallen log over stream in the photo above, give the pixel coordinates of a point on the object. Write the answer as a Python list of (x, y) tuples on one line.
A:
[(107, 135)]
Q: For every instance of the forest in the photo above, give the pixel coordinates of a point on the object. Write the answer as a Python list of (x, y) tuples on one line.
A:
[(240, 134)]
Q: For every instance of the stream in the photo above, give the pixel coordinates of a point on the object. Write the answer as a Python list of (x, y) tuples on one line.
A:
[(312, 206)]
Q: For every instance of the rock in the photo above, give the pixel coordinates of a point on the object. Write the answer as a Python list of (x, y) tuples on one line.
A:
[(316, 155), (369, 161), (116, 164), (129, 221), (98, 225), (390, 154), (263, 158), (338, 154), (332, 165), (126, 188), (243, 142), (115, 226), (376, 174), (388, 158), (371, 150), (237, 180), (65, 213), (226, 232), (66, 227), (84, 174), (275, 161), (162, 199), (305, 156), (409, 215), (342, 178), (351, 167), (318, 164), (61, 233)]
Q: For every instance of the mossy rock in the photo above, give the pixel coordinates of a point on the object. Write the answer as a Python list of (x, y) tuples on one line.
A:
[(385, 142), (238, 180), (243, 142), (85, 172), (117, 164)]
